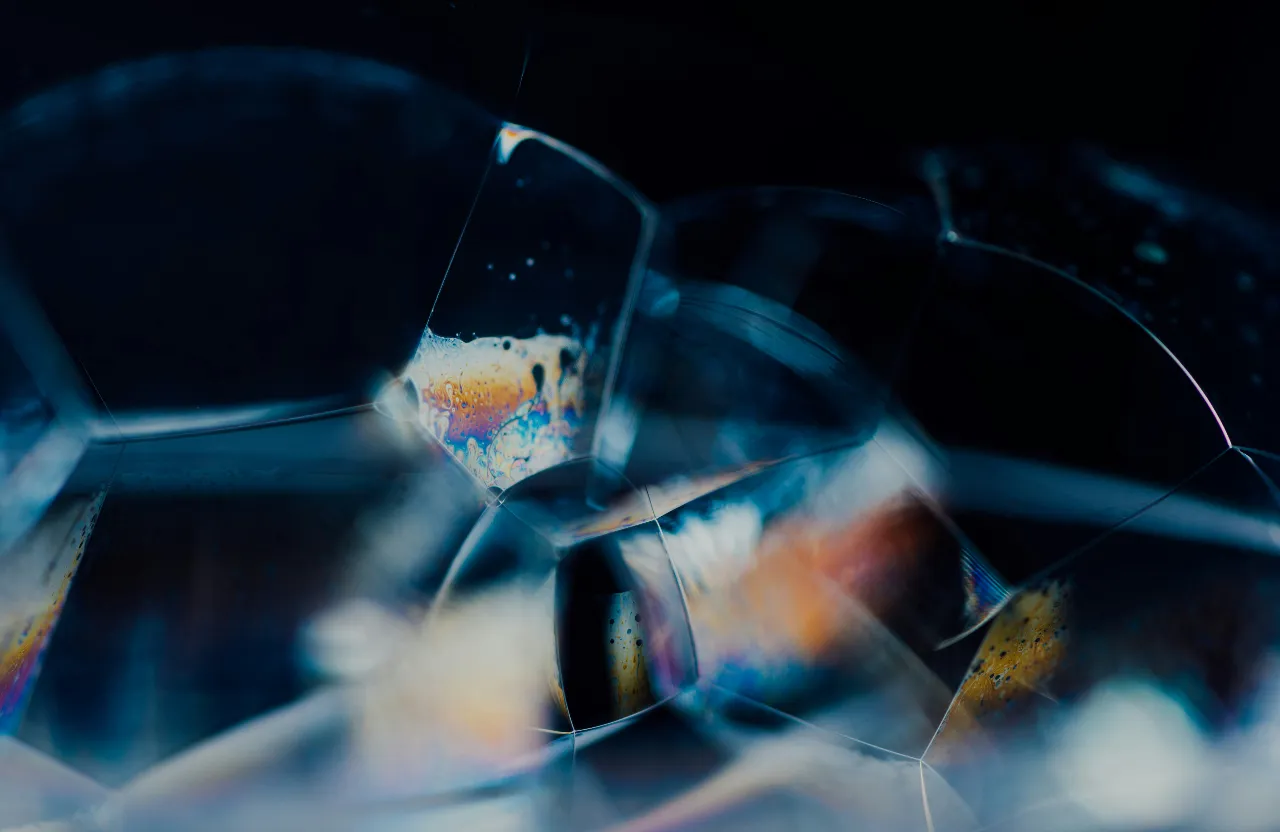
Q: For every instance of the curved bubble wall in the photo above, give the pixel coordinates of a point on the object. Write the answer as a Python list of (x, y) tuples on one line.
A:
[(496, 496)]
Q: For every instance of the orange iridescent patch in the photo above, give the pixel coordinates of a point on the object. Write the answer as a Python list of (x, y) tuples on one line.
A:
[(504, 407), (807, 589), (1018, 657)]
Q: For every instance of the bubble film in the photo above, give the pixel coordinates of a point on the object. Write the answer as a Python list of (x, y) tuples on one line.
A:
[(39, 573), (503, 407), (558, 509)]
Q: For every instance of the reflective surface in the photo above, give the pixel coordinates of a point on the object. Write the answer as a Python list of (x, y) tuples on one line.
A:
[(767, 507)]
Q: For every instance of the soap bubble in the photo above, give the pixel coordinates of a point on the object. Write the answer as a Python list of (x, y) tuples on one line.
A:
[(764, 506)]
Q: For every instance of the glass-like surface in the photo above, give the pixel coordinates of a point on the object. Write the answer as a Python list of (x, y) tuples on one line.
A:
[(453, 484), (547, 268), (38, 574), (27, 418), (354, 439), (46, 417), (236, 163), (38, 787)]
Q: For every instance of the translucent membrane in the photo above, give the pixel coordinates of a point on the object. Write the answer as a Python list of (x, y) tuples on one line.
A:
[(38, 573), (1189, 267), (37, 787), (1176, 599), (45, 414), (46, 519), (621, 629), (759, 772), (317, 436), (997, 323), (547, 266), (822, 574), (545, 509), (996, 353), (748, 280), (258, 176)]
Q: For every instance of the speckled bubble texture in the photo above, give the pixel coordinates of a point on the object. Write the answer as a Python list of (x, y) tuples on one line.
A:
[(371, 461), (39, 574)]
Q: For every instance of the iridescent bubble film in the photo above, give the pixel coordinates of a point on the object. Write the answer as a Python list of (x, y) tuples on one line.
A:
[(503, 407), (545, 506), (39, 574)]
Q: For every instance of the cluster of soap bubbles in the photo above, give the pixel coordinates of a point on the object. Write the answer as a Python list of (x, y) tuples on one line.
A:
[(766, 507)]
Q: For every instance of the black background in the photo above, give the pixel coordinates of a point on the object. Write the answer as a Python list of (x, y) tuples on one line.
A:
[(680, 97)]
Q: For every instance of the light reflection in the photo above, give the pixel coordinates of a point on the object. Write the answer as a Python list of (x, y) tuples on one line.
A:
[(503, 407), (820, 606)]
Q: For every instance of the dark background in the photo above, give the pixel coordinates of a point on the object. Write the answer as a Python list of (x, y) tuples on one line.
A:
[(682, 96)]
